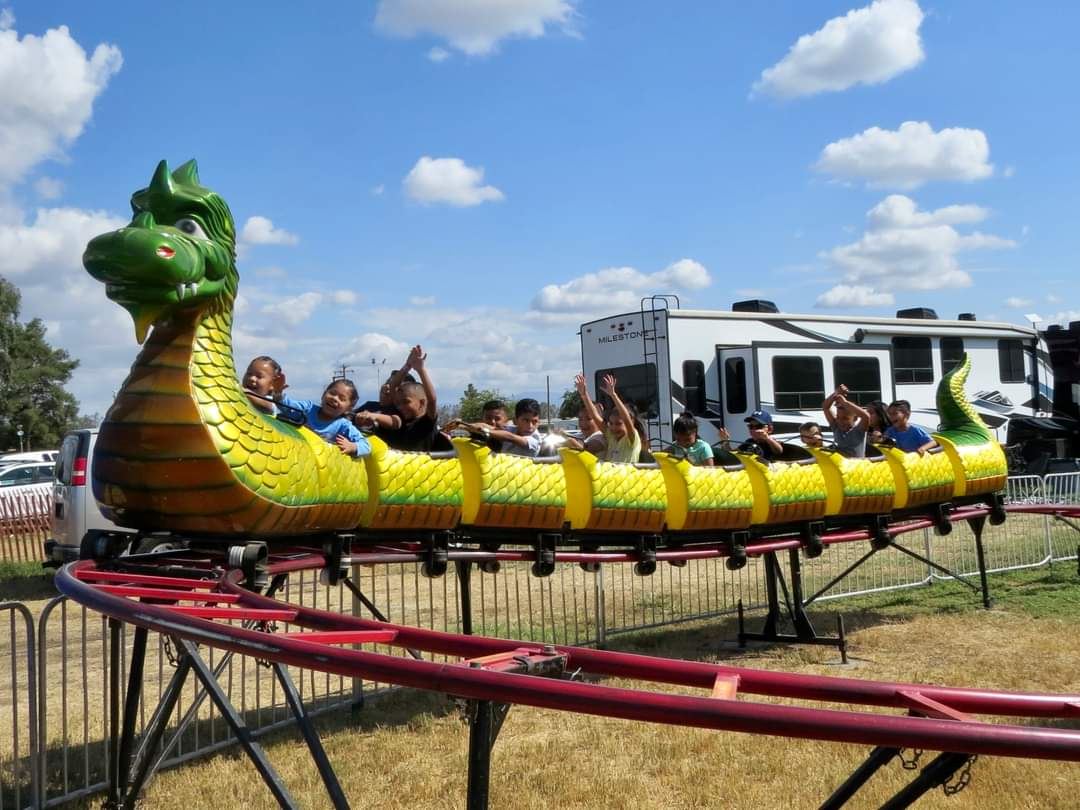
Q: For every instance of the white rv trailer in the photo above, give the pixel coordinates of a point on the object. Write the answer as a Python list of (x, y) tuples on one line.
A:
[(722, 366)]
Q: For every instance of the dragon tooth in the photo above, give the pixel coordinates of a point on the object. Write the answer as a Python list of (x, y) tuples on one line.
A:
[(181, 290)]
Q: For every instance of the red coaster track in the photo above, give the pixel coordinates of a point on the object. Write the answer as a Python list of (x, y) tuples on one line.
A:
[(207, 605)]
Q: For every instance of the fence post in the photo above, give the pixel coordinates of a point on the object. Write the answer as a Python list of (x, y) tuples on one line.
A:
[(601, 617)]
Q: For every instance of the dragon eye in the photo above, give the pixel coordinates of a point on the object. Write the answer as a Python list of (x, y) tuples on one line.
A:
[(191, 228)]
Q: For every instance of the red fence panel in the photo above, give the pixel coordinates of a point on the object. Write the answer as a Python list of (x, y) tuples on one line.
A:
[(24, 525)]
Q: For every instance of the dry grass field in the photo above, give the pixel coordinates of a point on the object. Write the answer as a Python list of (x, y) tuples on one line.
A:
[(409, 749)]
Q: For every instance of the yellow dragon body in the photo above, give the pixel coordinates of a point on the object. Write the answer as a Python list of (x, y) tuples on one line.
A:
[(182, 449)]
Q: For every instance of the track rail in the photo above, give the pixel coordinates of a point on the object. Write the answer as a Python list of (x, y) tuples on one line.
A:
[(213, 609)]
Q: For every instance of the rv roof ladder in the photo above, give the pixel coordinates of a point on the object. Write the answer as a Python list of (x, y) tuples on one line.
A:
[(649, 306)]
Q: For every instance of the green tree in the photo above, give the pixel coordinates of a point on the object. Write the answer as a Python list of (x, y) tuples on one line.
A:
[(32, 379), (571, 404), (471, 407)]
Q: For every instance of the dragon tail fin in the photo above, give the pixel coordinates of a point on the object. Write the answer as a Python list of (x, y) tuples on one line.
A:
[(959, 420)]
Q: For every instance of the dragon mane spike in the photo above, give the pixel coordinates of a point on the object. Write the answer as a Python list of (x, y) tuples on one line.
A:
[(162, 182), (188, 174)]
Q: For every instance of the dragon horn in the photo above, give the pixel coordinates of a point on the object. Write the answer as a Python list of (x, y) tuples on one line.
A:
[(161, 183), (188, 174)]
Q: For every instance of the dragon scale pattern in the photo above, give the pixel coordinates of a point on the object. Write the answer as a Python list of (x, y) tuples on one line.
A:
[(182, 448)]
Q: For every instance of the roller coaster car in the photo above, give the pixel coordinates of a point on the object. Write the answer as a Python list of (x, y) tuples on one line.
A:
[(183, 450)]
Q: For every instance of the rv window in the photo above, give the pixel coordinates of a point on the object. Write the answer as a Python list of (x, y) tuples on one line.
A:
[(735, 384), (1011, 360), (862, 376), (693, 380), (798, 383), (912, 360), (952, 353), (635, 384)]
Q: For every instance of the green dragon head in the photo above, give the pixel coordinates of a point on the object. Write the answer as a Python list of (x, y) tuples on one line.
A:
[(178, 252)]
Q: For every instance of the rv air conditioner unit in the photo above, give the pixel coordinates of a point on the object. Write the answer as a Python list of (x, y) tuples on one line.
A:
[(966, 316), (754, 305), (922, 313)]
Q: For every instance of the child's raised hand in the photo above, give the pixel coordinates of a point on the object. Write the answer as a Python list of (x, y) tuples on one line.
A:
[(416, 357), (725, 435), (278, 385), (608, 383), (842, 390), (579, 384), (347, 447)]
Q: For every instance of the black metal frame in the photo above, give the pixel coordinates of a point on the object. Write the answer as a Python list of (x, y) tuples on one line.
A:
[(793, 601), (804, 632), (934, 774)]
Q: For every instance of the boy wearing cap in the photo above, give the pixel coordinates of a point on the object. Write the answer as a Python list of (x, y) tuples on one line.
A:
[(761, 443)]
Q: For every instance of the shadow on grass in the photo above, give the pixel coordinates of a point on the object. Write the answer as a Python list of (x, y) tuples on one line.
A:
[(72, 769), (25, 581)]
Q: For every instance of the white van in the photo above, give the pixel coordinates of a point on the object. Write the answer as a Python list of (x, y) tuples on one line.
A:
[(74, 510)]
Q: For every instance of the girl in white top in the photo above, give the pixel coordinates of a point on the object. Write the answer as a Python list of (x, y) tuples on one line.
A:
[(622, 442)]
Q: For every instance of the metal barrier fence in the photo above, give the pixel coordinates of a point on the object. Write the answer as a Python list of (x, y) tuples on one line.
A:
[(59, 675), (24, 525), (18, 728)]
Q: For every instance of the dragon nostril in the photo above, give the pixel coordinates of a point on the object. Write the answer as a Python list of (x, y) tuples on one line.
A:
[(165, 252)]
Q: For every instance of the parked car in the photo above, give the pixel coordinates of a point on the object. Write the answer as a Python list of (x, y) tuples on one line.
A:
[(31, 455), (25, 477), (74, 510)]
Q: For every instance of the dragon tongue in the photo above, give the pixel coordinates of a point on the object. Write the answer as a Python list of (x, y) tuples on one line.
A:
[(144, 318)]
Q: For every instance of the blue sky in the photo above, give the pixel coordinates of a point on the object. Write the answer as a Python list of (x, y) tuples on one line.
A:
[(482, 176)]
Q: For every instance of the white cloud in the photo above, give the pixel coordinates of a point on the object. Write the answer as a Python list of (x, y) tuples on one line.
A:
[(361, 349), (473, 27), (377, 191), (438, 55), (618, 288), (448, 180), (1053, 299), (7, 19), (53, 242), (867, 45), (422, 301), (48, 188), (1016, 302), (294, 311), (909, 156), (903, 248), (1064, 317), (44, 256), (344, 298), (47, 91), (844, 295), (261, 231)]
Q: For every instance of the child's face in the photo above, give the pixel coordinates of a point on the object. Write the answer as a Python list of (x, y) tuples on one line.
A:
[(617, 426), (845, 418), (337, 400), (409, 405), (686, 439), (526, 424), (898, 417), (496, 417), (811, 437), (585, 423), (260, 377)]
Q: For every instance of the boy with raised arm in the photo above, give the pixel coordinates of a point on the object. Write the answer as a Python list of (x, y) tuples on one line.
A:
[(848, 421), (412, 423)]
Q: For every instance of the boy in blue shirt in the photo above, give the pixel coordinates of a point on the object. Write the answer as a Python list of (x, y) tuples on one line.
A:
[(909, 438)]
